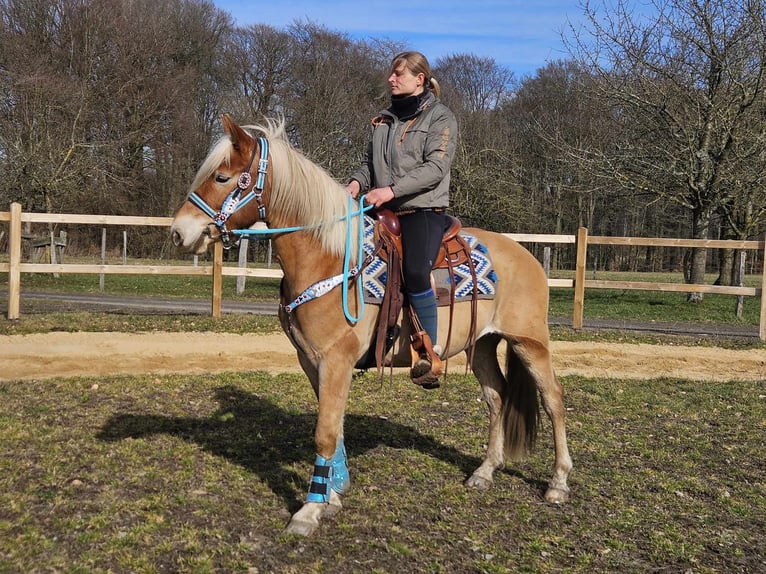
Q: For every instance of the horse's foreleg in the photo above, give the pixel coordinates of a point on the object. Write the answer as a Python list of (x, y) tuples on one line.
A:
[(487, 370), (330, 477), (329, 480)]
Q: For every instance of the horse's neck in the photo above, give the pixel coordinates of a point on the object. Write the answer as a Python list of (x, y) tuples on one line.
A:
[(304, 261)]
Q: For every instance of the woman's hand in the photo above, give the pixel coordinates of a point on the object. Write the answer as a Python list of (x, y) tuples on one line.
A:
[(353, 188), (379, 196)]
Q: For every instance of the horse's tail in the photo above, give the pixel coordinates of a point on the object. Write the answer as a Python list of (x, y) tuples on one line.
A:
[(520, 407)]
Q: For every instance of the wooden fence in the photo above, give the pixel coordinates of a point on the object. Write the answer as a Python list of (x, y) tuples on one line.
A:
[(15, 267)]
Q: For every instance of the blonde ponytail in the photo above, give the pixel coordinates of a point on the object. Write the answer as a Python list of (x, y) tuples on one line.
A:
[(434, 87)]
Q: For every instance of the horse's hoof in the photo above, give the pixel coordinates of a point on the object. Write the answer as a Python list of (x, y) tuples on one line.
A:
[(478, 482), (557, 495), (428, 382), (332, 509), (301, 527)]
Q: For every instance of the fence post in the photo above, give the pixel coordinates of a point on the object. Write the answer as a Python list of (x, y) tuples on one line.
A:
[(579, 283), (14, 273), (53, 258), (103, 259), (762, 323), (243, 245), (741, 282), (217, 278)]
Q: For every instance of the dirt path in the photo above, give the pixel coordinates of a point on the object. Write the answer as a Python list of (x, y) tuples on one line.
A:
[(49, 355)]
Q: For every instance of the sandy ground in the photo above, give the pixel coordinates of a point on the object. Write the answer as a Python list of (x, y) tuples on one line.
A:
[(41, 356)]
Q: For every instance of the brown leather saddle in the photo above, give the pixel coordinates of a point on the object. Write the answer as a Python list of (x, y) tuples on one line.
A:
[(454, 251)]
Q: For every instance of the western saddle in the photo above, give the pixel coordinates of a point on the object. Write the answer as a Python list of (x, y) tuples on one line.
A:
[(454, 251)]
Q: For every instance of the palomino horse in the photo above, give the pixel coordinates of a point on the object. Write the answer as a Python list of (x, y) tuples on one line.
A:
[(307, 212)]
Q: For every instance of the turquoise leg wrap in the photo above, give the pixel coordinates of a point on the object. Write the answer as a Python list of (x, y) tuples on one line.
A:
[(329, 474), (424, 305)]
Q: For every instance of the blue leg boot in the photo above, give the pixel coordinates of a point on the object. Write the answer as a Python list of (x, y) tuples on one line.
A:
[(329, 474)]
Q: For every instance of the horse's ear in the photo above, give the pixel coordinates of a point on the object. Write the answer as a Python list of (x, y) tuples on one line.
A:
[(236, 134)]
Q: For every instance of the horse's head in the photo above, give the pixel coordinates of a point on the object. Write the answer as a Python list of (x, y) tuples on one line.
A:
[(247, 179), (227, 192)]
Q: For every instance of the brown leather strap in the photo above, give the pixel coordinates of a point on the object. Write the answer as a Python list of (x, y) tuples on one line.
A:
[(452, 262), (389, 245)]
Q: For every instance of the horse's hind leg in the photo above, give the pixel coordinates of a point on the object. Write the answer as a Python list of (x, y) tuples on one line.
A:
[(535, 358), (487, 370), (512, 402)]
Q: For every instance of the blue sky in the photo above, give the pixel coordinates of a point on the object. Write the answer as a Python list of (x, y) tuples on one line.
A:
[(522, 35)]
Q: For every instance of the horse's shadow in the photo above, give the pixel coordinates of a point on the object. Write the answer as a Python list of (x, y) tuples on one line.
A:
[(258, 435)]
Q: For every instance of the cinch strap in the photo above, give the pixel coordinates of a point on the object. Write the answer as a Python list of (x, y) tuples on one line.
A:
[(329, 474)]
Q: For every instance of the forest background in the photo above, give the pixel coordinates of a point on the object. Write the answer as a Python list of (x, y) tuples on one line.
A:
[(651, 127)]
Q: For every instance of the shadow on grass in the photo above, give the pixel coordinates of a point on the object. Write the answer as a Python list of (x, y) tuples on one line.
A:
[(263, 438)]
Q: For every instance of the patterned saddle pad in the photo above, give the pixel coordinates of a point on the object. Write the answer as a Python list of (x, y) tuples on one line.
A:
[(375, 274)]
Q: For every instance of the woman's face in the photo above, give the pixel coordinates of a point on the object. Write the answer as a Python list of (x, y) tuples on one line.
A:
[(405, 83)]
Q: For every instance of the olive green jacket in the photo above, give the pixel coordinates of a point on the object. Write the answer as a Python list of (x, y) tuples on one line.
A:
[(412, 156)]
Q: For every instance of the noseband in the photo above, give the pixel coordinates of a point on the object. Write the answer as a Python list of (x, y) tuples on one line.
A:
[(234, 201)]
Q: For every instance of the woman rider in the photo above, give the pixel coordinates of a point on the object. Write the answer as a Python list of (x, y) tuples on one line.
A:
[(407, 170)]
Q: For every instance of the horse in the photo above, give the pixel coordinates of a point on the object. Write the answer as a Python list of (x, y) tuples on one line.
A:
[(308, 213)]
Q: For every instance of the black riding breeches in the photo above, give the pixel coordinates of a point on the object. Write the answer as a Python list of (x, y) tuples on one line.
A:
[(422, 233)]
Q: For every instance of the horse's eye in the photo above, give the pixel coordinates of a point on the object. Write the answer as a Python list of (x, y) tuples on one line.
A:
[(221, 178)]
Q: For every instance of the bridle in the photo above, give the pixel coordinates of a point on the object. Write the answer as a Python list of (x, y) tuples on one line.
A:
[(235, 201)]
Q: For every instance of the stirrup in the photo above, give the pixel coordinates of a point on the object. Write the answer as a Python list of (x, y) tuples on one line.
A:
[(426, 363)]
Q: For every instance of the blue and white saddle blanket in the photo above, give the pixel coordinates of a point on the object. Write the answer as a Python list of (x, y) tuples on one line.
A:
[(376, 273)]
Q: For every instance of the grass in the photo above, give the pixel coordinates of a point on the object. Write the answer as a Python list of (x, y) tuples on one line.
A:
[(36, 321), (182, 286), (664, 306), (201, 473), (655, 306), (599, 303)]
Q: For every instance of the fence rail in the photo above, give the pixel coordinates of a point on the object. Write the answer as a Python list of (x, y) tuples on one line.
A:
[(579, 284)]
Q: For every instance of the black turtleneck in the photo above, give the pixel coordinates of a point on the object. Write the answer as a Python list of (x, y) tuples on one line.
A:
[(406, 107)]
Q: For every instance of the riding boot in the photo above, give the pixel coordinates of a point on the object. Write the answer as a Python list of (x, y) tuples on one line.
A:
[(426, 363), (427, 366)]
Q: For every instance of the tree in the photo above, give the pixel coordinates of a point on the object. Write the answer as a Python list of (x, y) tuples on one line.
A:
[(101, 101), (686, 86), (259, 56), (484, 184), (473, 84), (42, 106), (337, 86)]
